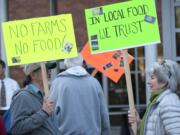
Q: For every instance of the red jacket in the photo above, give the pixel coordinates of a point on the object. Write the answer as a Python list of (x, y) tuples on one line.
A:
[(2, 128)]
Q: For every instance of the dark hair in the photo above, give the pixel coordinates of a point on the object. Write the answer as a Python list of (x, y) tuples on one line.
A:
[(2, 63), (29, 79), (85, 64)]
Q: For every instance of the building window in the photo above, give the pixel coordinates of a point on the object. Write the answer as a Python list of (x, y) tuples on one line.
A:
[(178, 44), (177, 27)]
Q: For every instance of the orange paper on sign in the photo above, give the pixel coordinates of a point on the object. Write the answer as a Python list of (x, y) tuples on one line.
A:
[(109, 63)]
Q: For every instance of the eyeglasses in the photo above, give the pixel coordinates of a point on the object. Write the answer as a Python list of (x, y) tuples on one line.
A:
[(164, 64)]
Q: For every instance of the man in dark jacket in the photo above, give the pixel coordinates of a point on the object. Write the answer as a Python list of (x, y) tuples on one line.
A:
[(31, 114)]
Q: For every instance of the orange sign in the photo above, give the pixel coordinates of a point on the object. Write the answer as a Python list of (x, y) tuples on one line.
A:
[(108, 63)]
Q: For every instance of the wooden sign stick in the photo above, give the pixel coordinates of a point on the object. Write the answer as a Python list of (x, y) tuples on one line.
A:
[(94, 72), (45, 80), (129, 88)]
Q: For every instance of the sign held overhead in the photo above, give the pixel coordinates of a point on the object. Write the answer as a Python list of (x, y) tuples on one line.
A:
[(39, 39), (122, 25)]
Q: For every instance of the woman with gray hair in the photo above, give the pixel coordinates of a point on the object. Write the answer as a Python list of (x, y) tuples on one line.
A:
[(162, 116)]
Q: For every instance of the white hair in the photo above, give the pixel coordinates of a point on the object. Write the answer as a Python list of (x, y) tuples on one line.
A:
[(72, 62), (167, 72)]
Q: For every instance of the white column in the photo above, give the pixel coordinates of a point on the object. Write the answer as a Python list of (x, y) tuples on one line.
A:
[(3, 18), (167, 31), (105, 88), (150, 58)]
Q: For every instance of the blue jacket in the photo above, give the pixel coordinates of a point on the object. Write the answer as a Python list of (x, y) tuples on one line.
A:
[(28, 118), (80, 104)]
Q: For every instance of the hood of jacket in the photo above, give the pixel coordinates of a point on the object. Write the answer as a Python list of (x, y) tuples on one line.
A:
[(74, 71)]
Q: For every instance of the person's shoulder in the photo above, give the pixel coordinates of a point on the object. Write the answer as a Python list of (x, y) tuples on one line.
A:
[(10, 80), (58, 79), (21, 98), (170, 98), (95, 82), (169, 105), (22, 93), (93, 78)]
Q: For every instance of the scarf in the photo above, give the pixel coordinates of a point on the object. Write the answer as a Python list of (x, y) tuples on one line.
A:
[(153, 99)]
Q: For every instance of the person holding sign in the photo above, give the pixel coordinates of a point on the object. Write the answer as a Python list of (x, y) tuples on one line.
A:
[(162, 116), (31, 114), (79, 101)]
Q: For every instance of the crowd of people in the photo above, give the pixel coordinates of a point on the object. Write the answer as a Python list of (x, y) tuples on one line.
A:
[(76, 104)]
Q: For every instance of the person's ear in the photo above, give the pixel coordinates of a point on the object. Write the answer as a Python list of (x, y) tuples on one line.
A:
[(32, 75), (163, 84)]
